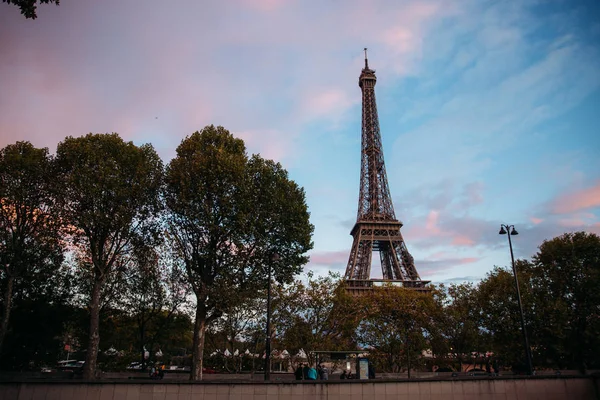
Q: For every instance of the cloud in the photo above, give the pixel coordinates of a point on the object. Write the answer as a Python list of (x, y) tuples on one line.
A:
[(258, 69), (577, 201), (265, 5), (330, 257), (272, 144), (462, 279), (430, 267)]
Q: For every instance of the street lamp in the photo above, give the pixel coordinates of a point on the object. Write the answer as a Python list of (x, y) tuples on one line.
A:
[(274, 259), (504, 229)]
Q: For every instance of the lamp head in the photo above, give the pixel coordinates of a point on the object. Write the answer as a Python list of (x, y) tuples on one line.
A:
[(514, 231), (502, 230)]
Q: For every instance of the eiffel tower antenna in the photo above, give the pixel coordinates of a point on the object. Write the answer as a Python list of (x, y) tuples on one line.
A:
[(376, 228)]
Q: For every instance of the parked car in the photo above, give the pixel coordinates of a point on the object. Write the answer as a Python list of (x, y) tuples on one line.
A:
[(208, 371), (477, 372), (70, 365), (135, 365)]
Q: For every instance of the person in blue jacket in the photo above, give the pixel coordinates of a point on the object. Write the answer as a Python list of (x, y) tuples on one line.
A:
[(312, 374)]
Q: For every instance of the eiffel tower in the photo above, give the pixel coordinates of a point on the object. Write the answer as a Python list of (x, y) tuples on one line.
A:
[(376, 228)]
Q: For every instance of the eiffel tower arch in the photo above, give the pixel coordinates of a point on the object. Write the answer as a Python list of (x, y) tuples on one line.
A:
[(376, 228)]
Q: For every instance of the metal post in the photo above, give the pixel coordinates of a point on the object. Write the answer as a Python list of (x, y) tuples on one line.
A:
[(408, 354), (523, 329), (268, 343)]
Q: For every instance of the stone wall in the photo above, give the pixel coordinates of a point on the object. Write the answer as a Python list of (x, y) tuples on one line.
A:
[(555, 388)]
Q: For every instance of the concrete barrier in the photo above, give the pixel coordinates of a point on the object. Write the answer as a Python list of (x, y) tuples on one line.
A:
[(550, 388)]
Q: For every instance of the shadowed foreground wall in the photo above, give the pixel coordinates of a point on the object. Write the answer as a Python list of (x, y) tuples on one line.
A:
[(585, 388)]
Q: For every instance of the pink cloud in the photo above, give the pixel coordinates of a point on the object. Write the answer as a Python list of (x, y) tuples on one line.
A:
[(271, 144), (536, 221), (431, 266), (577, 220), (431, 224), (577, 201), (437, 234), (329, 103), (462, 240), (265, 5), (330, 257)]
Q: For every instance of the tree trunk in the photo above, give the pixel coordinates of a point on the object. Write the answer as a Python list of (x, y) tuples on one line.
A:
[(89, 369), (8, 296), (198, 347)]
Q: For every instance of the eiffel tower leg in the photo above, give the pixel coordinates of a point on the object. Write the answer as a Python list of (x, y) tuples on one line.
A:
[(359, 263), (405, 262), (387, 262)]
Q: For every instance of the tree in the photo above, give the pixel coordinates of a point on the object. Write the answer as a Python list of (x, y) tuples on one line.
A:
[(318, 314), (227, 216), (40, 312), (30, 243), (109, 195), (458, 325), (397, 325), (237, 326), (566, 278), (500, 315), (155, 289), (29, 7)]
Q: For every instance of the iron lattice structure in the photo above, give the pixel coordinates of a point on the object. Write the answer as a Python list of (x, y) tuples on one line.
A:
[(376, 228)]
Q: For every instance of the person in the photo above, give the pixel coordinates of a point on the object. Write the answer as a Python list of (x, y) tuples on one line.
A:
[(324, 373), (312, 374), (371, 372), (298, 373), (344, 375), (305, 371)]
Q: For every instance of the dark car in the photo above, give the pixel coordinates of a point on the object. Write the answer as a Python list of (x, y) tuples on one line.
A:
[(477, 372)]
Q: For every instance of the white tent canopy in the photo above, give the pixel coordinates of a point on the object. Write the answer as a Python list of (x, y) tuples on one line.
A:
[(301, 354)]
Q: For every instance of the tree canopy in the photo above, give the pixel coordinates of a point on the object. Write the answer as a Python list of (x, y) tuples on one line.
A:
[(101, 235), (30, 240), (227, 216), (109, 196)]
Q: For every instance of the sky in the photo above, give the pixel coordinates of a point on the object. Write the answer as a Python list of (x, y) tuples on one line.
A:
[(489, 110)]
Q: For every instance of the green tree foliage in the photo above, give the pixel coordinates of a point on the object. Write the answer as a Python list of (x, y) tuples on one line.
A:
[(457, 324), (316, 314), (565, 283), (227, 215), (29, 7), (500, 316), (236, 330), (41, 311), (30, 245), (154, 291), (109, 196), (397, 326)]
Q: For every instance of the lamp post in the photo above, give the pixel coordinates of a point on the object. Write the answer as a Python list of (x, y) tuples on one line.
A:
[(274, 258), (510, 230)]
